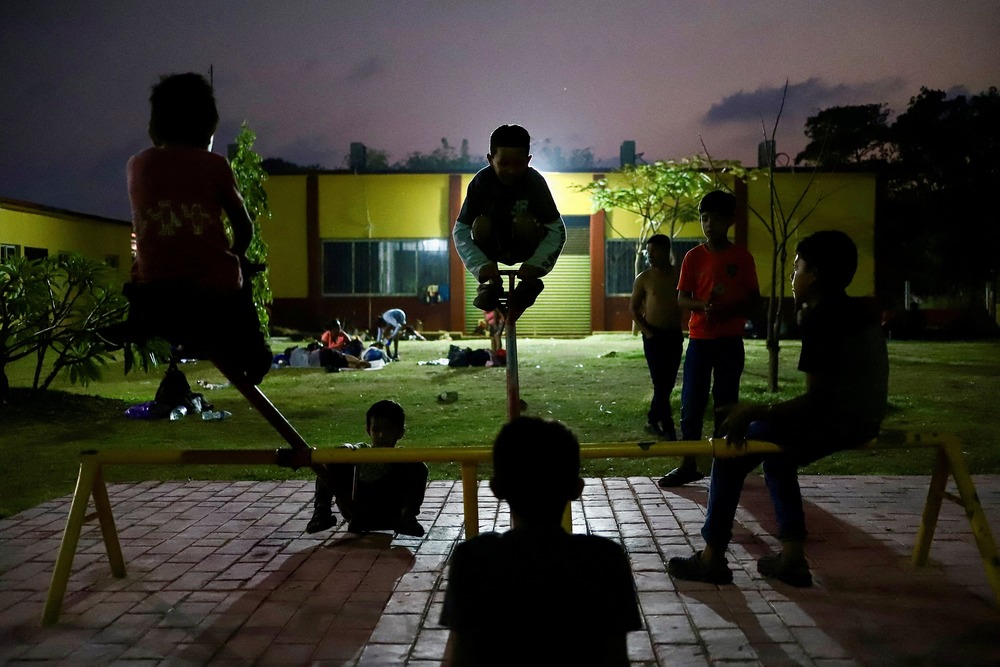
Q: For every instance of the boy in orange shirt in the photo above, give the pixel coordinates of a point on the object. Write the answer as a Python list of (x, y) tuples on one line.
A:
[(718, 284)]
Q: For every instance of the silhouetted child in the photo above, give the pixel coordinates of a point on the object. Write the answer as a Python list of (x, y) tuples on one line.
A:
[(846, 364), (718, 284), (656, 312), (373, 496), (190, 285), (537, 595), (509, 216)]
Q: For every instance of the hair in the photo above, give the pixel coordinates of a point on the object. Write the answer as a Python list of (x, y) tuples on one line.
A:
[(660, 241), (719, 202), (832, 255), (182, 110), (386, 409), (536, 466), (509, 136)]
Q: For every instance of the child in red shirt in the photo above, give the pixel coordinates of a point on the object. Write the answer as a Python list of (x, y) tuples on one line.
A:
[(190, 285)]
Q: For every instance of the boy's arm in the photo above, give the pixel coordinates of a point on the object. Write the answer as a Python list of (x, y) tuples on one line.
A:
[(547, 252), (741, 415), (687, 301), (636, 303), (473, 258)]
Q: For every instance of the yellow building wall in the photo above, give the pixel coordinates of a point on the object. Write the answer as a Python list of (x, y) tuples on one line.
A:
[(60, 232), (286, 238), (388, 206), (845, 202), (401, 206)]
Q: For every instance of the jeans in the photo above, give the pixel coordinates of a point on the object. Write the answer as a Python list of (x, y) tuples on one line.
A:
[(781, 477), (663, 356), (723, 357)]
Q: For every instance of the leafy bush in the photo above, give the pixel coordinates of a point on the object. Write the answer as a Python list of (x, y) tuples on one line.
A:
[(55, 309)]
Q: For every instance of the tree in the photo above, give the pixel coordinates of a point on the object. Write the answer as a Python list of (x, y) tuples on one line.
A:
[(550, 157), (443, 158), (847, 137), (664, 195), (250, 177), (940, 162), (54, 309), (781, 219)]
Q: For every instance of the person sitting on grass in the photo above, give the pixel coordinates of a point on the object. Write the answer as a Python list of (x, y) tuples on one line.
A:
[(373, 496), (846, 364), (537, 595)]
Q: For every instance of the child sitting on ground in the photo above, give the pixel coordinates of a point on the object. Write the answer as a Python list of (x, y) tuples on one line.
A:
[(537, 595), (373, 496)]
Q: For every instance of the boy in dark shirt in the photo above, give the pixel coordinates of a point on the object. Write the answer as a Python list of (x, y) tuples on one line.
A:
[(373, 496), (846, 364), (537, 595), (509, 216)]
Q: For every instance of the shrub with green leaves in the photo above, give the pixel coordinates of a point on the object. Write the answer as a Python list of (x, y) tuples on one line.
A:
[(53, 309)]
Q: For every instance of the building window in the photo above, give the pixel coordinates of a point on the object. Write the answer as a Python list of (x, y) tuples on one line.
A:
[(111, 261), (619, 263), (384, 267), (35, 253), (8, 250)]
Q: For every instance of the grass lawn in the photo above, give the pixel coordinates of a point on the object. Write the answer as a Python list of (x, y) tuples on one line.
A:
[(598, 385)]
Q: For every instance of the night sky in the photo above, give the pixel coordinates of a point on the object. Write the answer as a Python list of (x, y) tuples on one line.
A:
[(311, 77)]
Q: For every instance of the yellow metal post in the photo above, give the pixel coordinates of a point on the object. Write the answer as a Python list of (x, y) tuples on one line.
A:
[(107, 522), (71, 536), (932, 508), (567, 520), (974, 511), (470, 497)]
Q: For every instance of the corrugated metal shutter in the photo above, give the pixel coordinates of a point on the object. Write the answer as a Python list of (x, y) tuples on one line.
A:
[(563, 307)]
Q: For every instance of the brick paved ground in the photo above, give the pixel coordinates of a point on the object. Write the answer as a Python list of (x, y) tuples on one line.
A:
[(223, 574)]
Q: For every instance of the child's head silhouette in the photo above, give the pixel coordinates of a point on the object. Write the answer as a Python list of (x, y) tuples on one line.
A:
[(536, 468), (183, 111)]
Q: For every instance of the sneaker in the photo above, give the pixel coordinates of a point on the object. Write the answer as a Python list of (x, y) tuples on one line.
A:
[(488, 296), (680, 477), (321, 521), (692, 569), (409, 526), (523, 296), (795, 573)]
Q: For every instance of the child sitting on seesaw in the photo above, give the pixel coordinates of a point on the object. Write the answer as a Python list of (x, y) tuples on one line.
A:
[(373, 496), (190, 285)]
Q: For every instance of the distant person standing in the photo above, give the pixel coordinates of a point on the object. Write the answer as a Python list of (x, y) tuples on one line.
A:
[(718, 284), (656, 312), (509, 216)]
